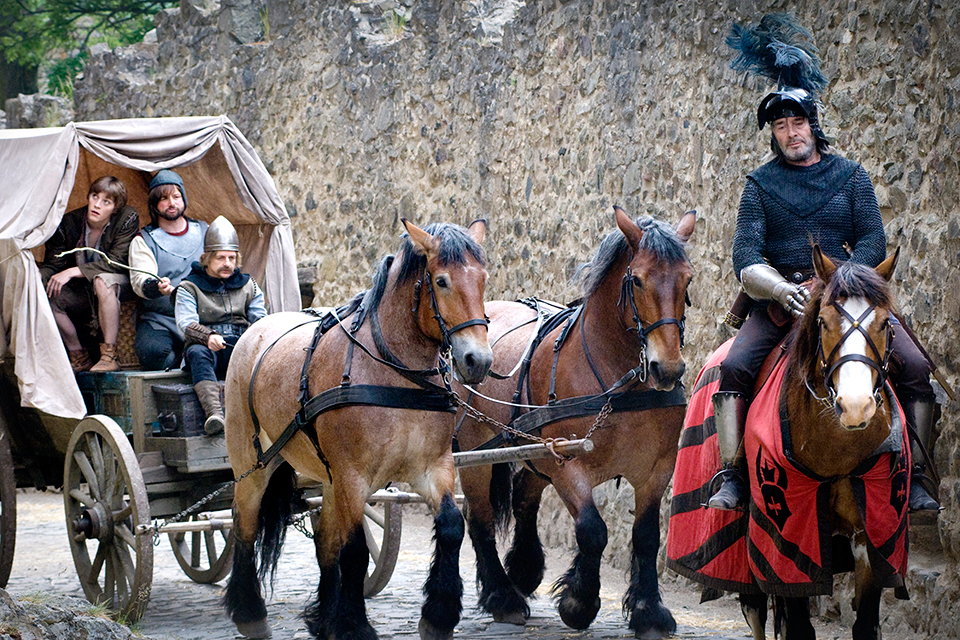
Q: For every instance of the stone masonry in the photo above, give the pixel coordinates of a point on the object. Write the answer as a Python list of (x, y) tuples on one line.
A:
[(539, 116)]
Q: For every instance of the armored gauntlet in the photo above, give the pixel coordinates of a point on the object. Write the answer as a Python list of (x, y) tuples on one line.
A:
[(763, 282)]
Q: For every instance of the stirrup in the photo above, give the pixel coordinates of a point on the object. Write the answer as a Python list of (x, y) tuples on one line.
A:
[(921, 492), (730, 496)]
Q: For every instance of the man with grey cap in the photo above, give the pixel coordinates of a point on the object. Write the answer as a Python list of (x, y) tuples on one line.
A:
[(167, 247), (214, 305)]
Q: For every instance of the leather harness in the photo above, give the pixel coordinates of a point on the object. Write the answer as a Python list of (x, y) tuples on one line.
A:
[(555, 410), (429, 397)]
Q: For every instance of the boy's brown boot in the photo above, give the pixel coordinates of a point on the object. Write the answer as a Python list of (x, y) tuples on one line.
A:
[(109, 359)]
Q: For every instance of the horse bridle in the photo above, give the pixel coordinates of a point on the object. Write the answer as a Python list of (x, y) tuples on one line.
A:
[(445, 333), (626, 293), (879, 364)]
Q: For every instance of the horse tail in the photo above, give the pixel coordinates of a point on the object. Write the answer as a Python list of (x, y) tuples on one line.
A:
[(501, 493), (276, 507)]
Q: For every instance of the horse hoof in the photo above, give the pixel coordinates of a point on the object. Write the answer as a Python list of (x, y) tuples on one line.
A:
[(514, 617), (576, 614), (254, 630), (651, 621), (430, 632)]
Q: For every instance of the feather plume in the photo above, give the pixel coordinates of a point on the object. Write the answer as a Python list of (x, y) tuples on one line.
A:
[(781, 49)]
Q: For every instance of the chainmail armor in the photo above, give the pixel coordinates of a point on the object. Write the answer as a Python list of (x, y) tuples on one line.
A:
[(772, 229)]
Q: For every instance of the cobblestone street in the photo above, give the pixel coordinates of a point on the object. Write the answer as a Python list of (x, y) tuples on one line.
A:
[(180, 609)]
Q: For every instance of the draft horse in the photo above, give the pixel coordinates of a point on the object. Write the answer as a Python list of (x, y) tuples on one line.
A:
[(828, 462), (619, 347), (367, 405)]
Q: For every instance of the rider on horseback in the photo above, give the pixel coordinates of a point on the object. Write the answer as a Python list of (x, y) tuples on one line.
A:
[(804, 193)]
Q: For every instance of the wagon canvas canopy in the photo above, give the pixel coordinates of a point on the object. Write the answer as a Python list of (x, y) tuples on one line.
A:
[(46, 172)]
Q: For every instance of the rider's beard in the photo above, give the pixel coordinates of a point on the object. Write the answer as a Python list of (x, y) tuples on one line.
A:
[(802, 154)]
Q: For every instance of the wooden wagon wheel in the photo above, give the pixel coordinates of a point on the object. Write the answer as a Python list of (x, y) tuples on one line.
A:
[(106, 500), (205, 556), (382, 524), (8, 505)]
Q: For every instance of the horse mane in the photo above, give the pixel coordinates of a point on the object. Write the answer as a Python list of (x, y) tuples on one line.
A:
[(659, 238), (455, 246), (851, 280)]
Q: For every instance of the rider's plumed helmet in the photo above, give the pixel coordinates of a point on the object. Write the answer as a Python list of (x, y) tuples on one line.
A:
[(221, 236), (780, 49)]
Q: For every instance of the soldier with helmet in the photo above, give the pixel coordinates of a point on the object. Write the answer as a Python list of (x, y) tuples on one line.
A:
[(804, 194), (214, 305)]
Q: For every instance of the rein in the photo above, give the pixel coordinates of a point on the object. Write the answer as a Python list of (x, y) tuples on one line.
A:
[(607, 401)]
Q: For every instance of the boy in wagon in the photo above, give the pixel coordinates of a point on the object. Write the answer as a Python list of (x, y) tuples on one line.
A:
[(83, 287), (214, 305)]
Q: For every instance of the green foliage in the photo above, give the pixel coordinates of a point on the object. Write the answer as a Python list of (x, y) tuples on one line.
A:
[(55, 34)]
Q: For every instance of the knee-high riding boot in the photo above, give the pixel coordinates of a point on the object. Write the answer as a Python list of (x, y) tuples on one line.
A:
[(730, 418), (208, 392), (922, 415)]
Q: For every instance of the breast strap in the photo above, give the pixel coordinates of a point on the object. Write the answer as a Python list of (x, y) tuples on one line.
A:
[(429, 397)]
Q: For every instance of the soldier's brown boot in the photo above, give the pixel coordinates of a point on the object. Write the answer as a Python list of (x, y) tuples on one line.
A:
[(109, 359), (208, 392)]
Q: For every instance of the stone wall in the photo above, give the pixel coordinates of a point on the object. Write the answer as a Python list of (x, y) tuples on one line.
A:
[(540, 116)]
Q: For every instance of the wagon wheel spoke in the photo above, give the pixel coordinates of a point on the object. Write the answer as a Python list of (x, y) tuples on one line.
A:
[(93, 449), (195, 549), (111, 492), (83, 462), (82, 498), (372, 546), (126, 573), (210, 540), (97, 566), (126, 536), (373, 514), (123, 514), (205, 556)]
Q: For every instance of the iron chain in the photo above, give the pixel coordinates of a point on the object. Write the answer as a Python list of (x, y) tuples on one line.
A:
[(479, 416), (195, 506)]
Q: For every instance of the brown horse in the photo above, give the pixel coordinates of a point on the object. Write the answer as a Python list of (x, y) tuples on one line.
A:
[(388, 417), (620, 344), (828, 461)]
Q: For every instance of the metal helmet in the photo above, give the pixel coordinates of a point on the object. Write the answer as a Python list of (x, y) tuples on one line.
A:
[(787, 103), (221, 236)]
